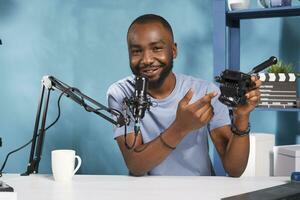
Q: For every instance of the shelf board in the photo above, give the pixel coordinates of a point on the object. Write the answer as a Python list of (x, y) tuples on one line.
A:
[(287, 11)]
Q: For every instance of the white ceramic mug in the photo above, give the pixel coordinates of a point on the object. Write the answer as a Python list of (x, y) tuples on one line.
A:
[(63, 164)]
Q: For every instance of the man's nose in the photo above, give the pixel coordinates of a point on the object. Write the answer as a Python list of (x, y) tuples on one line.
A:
[(147, 58)]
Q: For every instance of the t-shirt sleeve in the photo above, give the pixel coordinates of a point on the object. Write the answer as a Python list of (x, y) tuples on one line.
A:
[(115, 97), (221, 112)]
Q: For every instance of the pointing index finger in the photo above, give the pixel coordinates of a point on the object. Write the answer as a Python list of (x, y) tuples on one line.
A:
[(204, 100)]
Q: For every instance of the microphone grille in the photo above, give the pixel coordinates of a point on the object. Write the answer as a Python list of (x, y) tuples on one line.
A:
[(141, 83)]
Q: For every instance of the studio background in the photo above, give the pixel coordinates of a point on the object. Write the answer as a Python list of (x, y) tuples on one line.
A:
[(83, 43)]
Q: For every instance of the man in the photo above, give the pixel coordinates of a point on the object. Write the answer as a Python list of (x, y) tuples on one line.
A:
[(173, 139)]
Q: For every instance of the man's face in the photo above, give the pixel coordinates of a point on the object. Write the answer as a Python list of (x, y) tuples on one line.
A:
[(151, 52)]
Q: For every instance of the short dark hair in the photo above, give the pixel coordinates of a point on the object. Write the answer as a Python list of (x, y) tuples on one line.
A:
[(148, 18)]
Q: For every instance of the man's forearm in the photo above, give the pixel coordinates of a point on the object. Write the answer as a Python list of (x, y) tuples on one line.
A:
[(236, 157), (237, 152), (145, 157)]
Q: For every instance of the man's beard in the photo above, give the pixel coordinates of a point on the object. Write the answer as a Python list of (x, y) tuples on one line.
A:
[(155, 84)]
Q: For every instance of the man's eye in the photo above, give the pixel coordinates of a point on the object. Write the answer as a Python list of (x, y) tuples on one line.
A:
[(157, 48), (136, 51)]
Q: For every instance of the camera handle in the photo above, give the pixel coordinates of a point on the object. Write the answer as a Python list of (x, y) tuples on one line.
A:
[(271, 61)]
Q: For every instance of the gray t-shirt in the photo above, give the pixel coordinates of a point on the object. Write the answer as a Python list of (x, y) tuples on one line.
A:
[(191, 156)]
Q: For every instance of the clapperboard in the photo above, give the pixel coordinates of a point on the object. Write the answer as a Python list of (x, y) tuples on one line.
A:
[(278, 90)]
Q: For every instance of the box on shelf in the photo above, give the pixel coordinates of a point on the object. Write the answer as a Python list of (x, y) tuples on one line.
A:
[(286, 159)]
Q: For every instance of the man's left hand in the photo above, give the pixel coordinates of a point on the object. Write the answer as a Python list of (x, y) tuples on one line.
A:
[(253, 97)]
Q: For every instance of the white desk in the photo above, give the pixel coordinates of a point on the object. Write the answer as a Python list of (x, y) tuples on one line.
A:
[(89, 187)]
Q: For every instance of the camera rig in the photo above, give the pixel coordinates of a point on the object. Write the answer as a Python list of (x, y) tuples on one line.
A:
[(234, 84)]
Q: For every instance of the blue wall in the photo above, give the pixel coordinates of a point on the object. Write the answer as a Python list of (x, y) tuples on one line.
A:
[(83, 43)]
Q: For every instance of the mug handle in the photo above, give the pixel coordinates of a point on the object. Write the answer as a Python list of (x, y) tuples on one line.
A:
[(78, 164)]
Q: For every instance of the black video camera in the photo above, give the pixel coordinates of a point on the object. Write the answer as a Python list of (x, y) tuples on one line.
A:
[(234, 84)]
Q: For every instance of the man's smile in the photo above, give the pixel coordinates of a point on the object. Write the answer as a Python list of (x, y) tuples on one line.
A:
[(150, 71)]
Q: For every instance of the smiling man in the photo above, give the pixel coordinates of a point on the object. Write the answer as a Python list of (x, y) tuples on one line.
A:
[(173, 138)]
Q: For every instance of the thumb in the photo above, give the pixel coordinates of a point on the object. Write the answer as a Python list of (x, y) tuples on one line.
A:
[(187, 97)]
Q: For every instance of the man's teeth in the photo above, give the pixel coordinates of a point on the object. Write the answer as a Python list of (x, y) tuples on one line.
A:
[(150, 70)]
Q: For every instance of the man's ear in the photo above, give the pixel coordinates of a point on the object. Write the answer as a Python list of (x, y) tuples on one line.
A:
[(174, 50)]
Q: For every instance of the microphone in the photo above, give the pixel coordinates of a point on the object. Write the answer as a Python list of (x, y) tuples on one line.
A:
[(139, 102)]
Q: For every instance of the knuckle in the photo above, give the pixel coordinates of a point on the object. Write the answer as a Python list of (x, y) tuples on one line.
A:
[(258, 93), (258, 82)]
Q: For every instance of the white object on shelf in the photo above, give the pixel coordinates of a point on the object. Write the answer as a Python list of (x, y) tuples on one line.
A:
[(286, 159), (260, 162), (263, 3), (238, 4)]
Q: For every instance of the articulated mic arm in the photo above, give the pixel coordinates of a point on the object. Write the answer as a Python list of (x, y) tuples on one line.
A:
[(88, 103), (50, 83)]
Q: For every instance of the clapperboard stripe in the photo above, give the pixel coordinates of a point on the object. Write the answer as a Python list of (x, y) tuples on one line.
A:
[(281, 104), (279, 86), (277, 100), (280, 93), (276, 91), (280, 77), (277, 95), (272, 78), (262, 77), (277, 104)]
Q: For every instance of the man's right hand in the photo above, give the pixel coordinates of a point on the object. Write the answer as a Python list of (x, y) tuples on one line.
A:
[(196, 115)]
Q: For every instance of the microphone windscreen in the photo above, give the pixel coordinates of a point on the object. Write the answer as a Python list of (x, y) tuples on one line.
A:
[(141, 85)]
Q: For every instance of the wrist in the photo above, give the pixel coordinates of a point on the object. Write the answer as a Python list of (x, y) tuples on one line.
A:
[(240, 123), (240, 115), (178, 129), (240, 132)]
